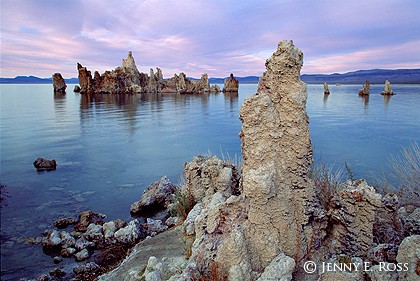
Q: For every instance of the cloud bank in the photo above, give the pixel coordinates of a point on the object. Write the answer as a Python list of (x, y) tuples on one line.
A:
[(214, 37)]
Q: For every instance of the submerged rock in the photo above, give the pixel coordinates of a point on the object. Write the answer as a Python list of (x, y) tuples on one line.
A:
[(45, 164), (155, 198), (231, 84), (58, 83), (64, 222)]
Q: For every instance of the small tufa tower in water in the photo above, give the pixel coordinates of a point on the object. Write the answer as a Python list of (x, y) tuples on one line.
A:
[(366, 89), (326, 90), (387, 90)]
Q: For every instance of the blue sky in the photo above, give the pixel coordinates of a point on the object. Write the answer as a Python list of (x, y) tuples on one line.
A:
[(215, 37)]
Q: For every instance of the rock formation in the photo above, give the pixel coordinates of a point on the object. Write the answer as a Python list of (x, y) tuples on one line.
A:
[(387, 90), (326, 90), (126, 79), (45, 164), (156, 197), (231, 84), (366, 89), (58, 83)]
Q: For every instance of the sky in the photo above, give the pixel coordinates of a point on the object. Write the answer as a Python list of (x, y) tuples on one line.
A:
[(217, 37)]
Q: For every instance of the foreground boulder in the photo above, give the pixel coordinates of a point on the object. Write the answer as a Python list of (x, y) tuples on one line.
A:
[(58, 83), (231, 84), (45, 164), (155, 198)]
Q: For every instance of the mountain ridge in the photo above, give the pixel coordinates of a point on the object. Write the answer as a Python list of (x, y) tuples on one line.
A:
[(375, 76)]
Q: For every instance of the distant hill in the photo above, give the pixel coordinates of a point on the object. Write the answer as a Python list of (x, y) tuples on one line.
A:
[(33, 80), (375, 76)]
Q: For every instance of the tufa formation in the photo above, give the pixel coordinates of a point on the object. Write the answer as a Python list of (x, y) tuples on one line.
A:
[(366, 89), (231, 84), (126, 79), (387, 90), (58, 83)]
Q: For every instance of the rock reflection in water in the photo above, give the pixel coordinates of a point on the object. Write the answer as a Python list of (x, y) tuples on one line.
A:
[(387, 99)]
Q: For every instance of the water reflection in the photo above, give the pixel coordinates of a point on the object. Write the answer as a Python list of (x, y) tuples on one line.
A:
[(365, 99), (387, 99), (231, 99), (325, 99)]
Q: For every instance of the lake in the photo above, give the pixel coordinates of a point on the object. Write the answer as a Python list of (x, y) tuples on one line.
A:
[(110, 148)]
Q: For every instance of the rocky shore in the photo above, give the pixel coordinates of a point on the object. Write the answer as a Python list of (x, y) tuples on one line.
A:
[(127, 79), (266, 220)]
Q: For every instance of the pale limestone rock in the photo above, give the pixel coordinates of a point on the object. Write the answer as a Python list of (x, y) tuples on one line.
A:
[(189, 221), (157, 196), (409, 253), (94, 232), (131, 233), (277, 152), (387, 89), (205, 176), (82, 255), (279, 269), (109, 229), (67, 240)]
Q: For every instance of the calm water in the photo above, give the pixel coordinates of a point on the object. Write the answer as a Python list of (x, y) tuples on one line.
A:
[(109, 148)]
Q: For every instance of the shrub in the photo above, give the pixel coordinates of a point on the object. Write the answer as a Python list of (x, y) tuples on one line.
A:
[(183, 204), (404, 175), (327, 181)]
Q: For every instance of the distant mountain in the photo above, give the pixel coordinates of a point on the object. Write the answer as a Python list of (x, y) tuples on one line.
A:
[(375, 76), (33, 80)]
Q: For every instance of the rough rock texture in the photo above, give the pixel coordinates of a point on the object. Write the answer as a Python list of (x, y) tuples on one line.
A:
[(45, 164), (231, 84), (205, 176), (387, 89), (279, 269), (354, 215), (126, 79), (189, 224), (409, 252), (326, 90), (155, 198), (64, 222), (169, 243), (409, 219), (131, 233), (277, 152), (366, 89), (58, 83)]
